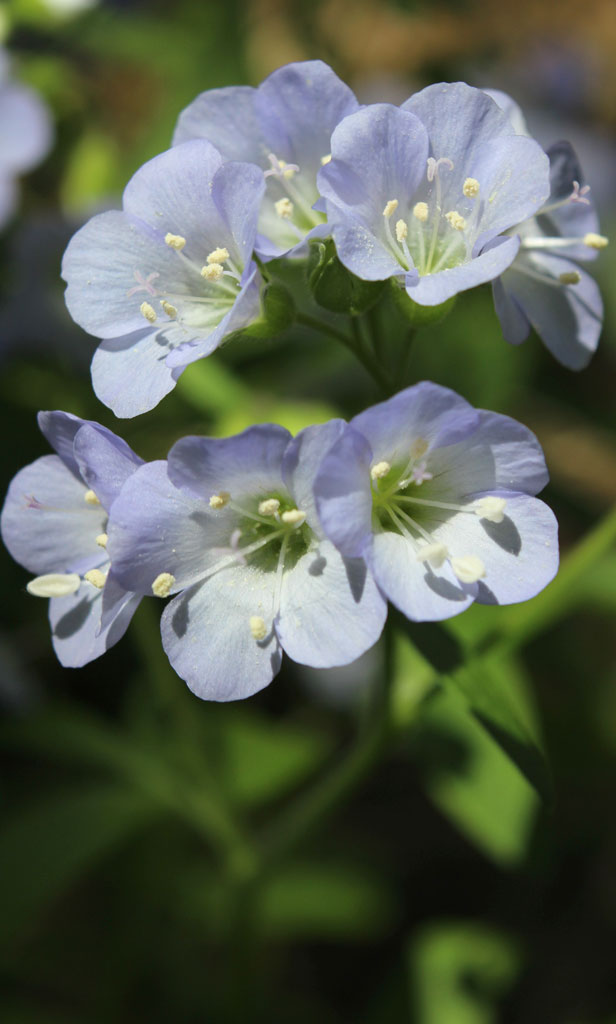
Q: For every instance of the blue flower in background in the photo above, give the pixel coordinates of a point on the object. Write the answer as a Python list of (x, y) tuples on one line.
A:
[(230, 526), (54, 523), (166, 279), (25, 135), (543, 288), (423, 193), (438, 498), (285, 127)]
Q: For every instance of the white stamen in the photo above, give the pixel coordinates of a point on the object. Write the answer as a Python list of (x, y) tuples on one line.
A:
[(594, 241), (570, 277), (220, 500), (491, 508), (269, 507), (325, 159), (379, 470), (96, 577), (162, 585), (284, 208), (435, 554), (218, 256), (102, 539), (401, 230), (90, 498), (456, 220), (468, 569), (420, 212), (470, 188), (390, 208), (54, 584), (293, 517), (148, 312), (212, 272), (170, 310), (176, 242), (257, 627)]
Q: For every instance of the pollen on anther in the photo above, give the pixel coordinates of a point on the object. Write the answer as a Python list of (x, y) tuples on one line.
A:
[(435, 554), (212, 272), (390, 208), (258, 627), (269, 507), (293, 517), (220, 500), (594, 241), (570, 277), (456, 220), (380, 469), (90, 498), (419, 447), (54, 584), (176, 242), (401, 230), (470, 188), (491, 508), (420, 212), (170, 310), (148, 312), (284, 208), (102, 539), (325, 159), (468, 569), (218, 255), (96, 577), (162, 585)]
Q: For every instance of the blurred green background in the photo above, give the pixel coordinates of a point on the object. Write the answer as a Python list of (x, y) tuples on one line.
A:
[(284, 859)]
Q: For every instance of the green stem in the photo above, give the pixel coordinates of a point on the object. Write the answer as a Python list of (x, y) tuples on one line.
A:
[(368, 361)]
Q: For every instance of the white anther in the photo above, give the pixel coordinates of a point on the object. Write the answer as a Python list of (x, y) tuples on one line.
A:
[(162, 585), (435, 554), (148, 312), (269, 507), (54, 584), (470, 188), (456, 220), (90, 498), (491, 508), (420, 212), (401, 230), (419, 447), (570, 277), (325, 159), (96, 577), (468, 569), (293, 517), (176, 242), (284, 208), (220, 500), (170, 310), (380, 469), (390, 207), (594, 241), (102, 539), (212, 272), (218, 255), (257, 627)]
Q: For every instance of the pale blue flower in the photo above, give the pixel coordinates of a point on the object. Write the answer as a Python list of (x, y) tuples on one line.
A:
[(25, 135)]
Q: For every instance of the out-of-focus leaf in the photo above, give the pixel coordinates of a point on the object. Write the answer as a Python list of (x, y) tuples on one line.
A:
[(460, 971), (47, 847), (90, 175)]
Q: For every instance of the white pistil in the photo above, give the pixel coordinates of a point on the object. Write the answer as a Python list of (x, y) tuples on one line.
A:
[(433, 175), (293, 517), (96, 578), (211, 272), (468, 569), (379, 470), (470, 188), (162, 585), (176, 242), (218, 255), (102, 539), (284, 208), (90, 498), (220, 500), (570, 277), (435, 554), (54, 584), (456, 220), (325, 159), (491, 508), (148, 312), (390, 208), (402, 230), (258, 627), (170, 310), (420, 212), (269, 507)]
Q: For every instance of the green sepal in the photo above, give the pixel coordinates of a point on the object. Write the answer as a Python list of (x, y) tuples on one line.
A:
[(334, 287), (419, 316), (277, 312)]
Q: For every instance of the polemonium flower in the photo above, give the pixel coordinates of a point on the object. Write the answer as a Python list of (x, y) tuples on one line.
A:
[(284, 126), (438, 498), (423, 193), (230, 527), (543, 288), (167, 278), (54, 523), (25, 135)]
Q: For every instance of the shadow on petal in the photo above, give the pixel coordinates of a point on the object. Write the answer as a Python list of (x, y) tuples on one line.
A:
[(504, 534)]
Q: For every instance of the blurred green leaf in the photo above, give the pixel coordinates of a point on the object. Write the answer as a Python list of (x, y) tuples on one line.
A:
[(90, 174)]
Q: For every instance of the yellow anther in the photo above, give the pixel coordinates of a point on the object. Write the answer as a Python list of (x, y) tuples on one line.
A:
[(468, 569), (90, 498), (176, 242), (325, 159), (218, 256), (148, 312), (220, 500), (390, 208), (570, 277), (491, 508), (435, 554), (102, 539), (594, 241), (419, 447), (269, 507), (470, 188), (287, 172), (380, 469), (401, 230), (284, 208), (54, 584), (293, 517), (257, 627), (456, 220), (170, 310), (420, 212), (212, 272), (162, 585), (96, 577)]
